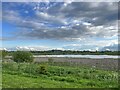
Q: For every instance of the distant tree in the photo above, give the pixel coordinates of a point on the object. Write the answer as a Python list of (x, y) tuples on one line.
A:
[(22, 56)]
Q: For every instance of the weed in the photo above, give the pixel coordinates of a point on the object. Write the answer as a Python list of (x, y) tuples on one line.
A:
[(42, 69), (50, 60)]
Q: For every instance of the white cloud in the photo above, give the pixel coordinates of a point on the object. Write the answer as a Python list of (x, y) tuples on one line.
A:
[(86, 23), (67, 2), (3, 48), (72, 45), (32, 48), (57, 49), (44, 15)]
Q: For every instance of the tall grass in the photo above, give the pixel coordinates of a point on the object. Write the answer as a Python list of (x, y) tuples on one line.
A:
[(86, 76)]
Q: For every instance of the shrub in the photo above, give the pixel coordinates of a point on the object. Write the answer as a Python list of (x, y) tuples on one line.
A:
[(22, 56), (91, 84), (42, 69), (70, 79)]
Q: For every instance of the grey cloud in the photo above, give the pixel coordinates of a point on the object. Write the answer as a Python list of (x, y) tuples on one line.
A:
[(40, 27), (113, 47), (58, 33), (50, 18), (11, 16), (104, 12)]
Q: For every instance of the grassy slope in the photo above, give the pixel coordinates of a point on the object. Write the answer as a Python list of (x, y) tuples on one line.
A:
[(57, 77), (18, 81)]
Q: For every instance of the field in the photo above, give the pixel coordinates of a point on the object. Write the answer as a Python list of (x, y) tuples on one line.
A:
[(52, 74), (106, 64)]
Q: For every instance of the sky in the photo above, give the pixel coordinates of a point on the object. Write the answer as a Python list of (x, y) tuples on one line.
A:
[(60, 25)]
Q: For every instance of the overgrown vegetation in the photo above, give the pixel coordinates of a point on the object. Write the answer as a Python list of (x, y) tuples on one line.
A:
[(23, 74), (3, 53), (58, 76), (22, 56)]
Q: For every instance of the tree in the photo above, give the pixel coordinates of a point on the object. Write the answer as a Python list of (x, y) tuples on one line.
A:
[(22, 56)]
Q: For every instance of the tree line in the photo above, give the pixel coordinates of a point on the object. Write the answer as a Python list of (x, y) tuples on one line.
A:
[(67, 52)]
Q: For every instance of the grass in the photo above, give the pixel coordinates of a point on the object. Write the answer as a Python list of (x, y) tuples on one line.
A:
[(19, 81), (26, 75)]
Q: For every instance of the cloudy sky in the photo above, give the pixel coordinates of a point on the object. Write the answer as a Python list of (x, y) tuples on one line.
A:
[(60, 25)]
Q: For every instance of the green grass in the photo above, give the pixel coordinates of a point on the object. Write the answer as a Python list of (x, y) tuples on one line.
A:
[(25, 75), (19, 81)]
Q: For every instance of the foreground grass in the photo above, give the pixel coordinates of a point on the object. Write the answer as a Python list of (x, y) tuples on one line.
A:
[(19, 81), (26, 75)]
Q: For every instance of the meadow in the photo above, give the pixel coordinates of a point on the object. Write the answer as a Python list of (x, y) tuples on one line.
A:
[(52, 75)]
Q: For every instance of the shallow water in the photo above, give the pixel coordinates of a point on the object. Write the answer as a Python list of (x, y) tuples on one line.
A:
[(80, 56)]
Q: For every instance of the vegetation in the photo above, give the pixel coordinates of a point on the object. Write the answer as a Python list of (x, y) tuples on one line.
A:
[(70, 52), (3, 53), (41, 69), (50, 60), (44, 75), (22, 56), (23, 74)]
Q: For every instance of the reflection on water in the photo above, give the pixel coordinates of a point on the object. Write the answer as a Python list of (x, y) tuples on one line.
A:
[(79, 56)]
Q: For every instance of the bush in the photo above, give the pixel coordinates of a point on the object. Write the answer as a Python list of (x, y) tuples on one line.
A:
[(42, 69), (22, 56)]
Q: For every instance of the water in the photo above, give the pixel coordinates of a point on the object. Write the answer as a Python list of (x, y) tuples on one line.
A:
[(80, 56)]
